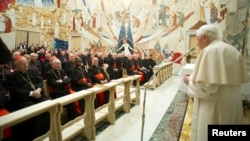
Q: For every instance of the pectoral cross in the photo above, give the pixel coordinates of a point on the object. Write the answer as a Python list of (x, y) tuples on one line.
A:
[(33, 87)]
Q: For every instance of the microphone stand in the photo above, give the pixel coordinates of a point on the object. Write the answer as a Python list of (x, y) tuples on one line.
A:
[(145, 91)]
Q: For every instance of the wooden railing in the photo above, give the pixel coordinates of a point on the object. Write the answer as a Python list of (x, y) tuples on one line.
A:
[(84, 124), (30, 112), (163, 71)]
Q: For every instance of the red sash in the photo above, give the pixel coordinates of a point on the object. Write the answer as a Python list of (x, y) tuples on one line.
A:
[(101, 98), (100, 76), (142, 76), (6, 131), (132, 68), (76, 103), (51, 89)]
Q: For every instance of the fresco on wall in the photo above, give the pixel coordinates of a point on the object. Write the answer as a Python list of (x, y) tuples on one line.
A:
[(143, 23), (236, 30), (7, 16)]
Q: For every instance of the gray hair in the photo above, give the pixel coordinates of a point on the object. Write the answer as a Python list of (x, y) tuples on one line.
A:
[(210, 30)]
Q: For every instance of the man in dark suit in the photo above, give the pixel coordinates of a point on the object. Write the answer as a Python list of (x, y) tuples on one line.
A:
[(98, 76), (80, 80), (114, 67)]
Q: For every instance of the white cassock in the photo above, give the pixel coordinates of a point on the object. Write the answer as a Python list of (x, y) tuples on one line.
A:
[(215, 85)]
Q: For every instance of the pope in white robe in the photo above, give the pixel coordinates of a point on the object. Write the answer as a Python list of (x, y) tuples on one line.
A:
[(215, 84)]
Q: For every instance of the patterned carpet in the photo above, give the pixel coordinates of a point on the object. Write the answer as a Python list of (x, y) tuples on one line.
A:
[(170, 126)]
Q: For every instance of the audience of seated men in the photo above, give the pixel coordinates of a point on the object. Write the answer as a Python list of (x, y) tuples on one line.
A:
[(19, 82), (26, 89)]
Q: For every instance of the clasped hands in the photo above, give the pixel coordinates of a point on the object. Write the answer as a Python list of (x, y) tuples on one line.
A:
[(60, 80), (37, 93), (104, 81)]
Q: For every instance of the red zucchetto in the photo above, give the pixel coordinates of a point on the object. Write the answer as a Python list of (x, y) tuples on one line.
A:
[(53, 58), (18, 57)]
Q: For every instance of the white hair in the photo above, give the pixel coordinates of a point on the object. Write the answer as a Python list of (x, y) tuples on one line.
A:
[(210, 30), (55, 61)]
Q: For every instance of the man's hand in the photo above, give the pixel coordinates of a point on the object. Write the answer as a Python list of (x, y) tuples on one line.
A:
[(37, 93), (59, 81)]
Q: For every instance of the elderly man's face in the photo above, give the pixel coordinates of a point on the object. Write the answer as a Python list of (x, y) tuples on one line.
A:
[(95, 62), (56, 65), (22, 65), (202, 41)]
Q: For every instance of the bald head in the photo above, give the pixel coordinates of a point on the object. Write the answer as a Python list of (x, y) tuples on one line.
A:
[(56, 64)]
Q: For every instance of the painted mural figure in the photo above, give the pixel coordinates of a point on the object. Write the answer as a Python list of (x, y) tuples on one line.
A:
[(33, 19), (20, 8), (42, 22), (56, 30), (157, 46), (64, 17), (136, 23), (247, 44), (165, 52), (12, 14), (180, 19), (213, 13), (125, 47), (163, 16), (2, 23), (5, 24), (206, 7), (77, 22)]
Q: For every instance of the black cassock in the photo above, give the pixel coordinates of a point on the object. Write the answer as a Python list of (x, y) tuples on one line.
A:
[(20, 86), (97, 74), (79, 81), (114, 68), (59, 89)]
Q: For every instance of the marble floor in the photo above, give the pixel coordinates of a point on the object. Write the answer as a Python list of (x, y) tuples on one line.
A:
[(129, 126)]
